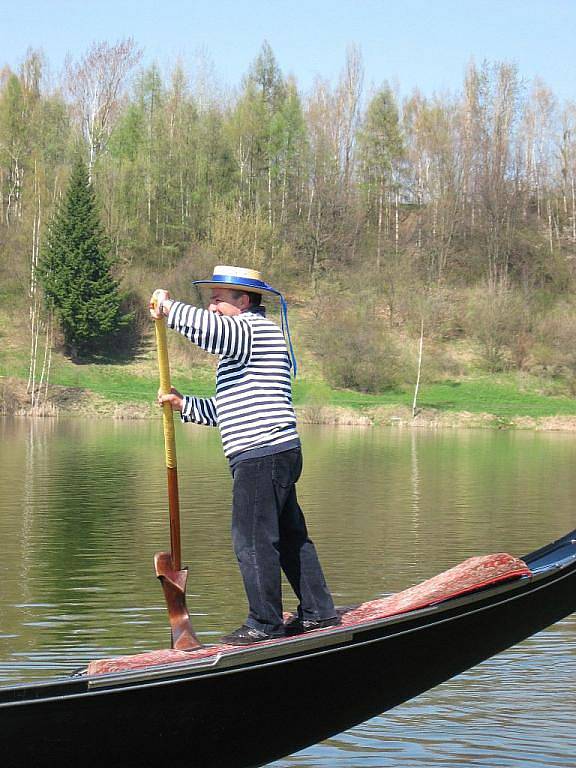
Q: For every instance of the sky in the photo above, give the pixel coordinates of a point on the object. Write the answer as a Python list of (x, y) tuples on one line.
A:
[(424, 44)]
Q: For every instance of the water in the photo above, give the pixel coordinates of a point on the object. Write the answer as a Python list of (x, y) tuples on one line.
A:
[(83, 509)]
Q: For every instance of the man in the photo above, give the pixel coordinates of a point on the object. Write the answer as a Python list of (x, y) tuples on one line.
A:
[(253, 409)]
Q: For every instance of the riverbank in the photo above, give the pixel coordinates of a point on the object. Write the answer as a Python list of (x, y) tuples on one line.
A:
[(121, 396)]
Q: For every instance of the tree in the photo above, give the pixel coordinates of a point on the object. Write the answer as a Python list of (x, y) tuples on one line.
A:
[(14, 145), (95, 84), (434, 178), (492, 105), (252, 131), (381, 151), (289, 141), (348, 97), (75, 270)]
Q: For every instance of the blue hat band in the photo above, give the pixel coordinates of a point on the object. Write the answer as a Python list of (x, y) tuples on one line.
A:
[(247, 282)]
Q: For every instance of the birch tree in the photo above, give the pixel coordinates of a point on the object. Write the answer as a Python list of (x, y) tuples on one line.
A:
[(14, 134), (492, 103), (95, 85), (348, 99), (435, 178), (567, 151)]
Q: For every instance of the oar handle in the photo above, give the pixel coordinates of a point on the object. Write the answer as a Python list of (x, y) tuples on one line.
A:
[(169, 443), (165, 386)]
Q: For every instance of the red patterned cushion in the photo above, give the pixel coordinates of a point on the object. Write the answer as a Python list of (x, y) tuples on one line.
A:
[(469, 576)]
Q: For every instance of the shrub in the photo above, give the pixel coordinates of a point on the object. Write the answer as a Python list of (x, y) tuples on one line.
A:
[(359, 352), (555, 351), (499, 319)]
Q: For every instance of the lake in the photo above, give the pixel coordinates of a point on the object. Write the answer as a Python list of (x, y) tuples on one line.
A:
[(83, 510)]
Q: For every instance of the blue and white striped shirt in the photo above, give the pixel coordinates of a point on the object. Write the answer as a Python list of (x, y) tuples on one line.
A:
[(252, 406)]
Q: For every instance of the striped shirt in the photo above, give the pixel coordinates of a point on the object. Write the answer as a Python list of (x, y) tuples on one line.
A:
[(252, 406)]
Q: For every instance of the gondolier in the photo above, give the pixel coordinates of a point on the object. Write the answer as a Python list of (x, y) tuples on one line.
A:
[(253, 410)]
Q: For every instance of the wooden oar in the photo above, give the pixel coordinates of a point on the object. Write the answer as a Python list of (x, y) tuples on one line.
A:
[(168, 565)]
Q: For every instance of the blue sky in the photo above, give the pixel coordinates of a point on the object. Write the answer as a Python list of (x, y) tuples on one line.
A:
[(410, 43)]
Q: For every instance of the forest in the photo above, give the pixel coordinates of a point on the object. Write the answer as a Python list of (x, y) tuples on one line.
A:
[(393, 224)]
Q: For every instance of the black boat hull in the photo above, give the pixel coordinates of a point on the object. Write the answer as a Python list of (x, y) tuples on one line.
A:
[(270, 703)]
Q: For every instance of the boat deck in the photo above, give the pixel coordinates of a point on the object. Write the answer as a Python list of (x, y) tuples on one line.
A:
[(472, 575)]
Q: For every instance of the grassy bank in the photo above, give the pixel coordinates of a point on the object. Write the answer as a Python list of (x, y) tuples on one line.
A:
[(502, 396), (127, 389)]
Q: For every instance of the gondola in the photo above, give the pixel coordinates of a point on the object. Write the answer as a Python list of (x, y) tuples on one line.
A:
[(230, 707)]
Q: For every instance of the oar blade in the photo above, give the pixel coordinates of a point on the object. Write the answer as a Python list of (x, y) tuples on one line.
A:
[(174, 586)]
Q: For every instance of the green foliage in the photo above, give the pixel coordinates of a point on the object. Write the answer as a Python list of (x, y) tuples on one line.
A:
[(381, 149), (380, 138), (265, 74), (13, 129), (54, 132), (75, 270), (128, 135)]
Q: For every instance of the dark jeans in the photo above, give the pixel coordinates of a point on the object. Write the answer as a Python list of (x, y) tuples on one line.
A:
[(269, 533)]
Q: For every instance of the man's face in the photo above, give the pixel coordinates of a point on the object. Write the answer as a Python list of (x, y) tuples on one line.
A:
[(226, 301)]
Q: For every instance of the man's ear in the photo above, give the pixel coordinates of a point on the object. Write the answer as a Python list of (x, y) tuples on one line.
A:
[(245, 301)]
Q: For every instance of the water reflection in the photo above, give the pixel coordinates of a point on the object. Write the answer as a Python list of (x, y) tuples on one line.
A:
[(83, 509)]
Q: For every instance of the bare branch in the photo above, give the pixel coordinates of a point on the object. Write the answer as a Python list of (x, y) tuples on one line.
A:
[(95, 86)]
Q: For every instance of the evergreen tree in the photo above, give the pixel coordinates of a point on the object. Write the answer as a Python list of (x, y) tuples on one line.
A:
[(75, 270)]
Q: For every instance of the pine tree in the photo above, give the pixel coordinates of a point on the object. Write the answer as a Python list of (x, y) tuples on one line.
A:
[(75, 270)]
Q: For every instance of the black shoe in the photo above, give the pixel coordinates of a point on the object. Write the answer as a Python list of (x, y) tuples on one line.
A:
[(247, 635), (297, 626)]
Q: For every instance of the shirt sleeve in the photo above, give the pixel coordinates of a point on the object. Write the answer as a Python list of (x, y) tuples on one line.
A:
[(199, 410), (220, 335)]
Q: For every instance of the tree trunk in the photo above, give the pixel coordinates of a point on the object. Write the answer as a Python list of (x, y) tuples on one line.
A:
[(417, 387), (379, 235)]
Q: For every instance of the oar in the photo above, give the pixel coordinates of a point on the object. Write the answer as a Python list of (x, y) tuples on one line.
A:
[(168, 565)]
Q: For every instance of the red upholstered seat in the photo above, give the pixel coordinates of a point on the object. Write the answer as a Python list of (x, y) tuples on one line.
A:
[(470, 576)]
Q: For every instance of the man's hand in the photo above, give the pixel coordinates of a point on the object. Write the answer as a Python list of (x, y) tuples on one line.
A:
[(160, 303), (175, 399)]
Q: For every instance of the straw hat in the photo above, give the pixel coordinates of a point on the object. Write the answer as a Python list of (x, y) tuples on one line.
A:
[(237, 278)]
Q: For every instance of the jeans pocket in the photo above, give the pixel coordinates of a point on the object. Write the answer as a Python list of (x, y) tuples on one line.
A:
[(286, 467), (281, 472)]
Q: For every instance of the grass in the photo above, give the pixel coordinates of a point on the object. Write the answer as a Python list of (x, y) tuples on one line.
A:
[(498, 395), (119, 383), (501, 396), (494, 395)]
